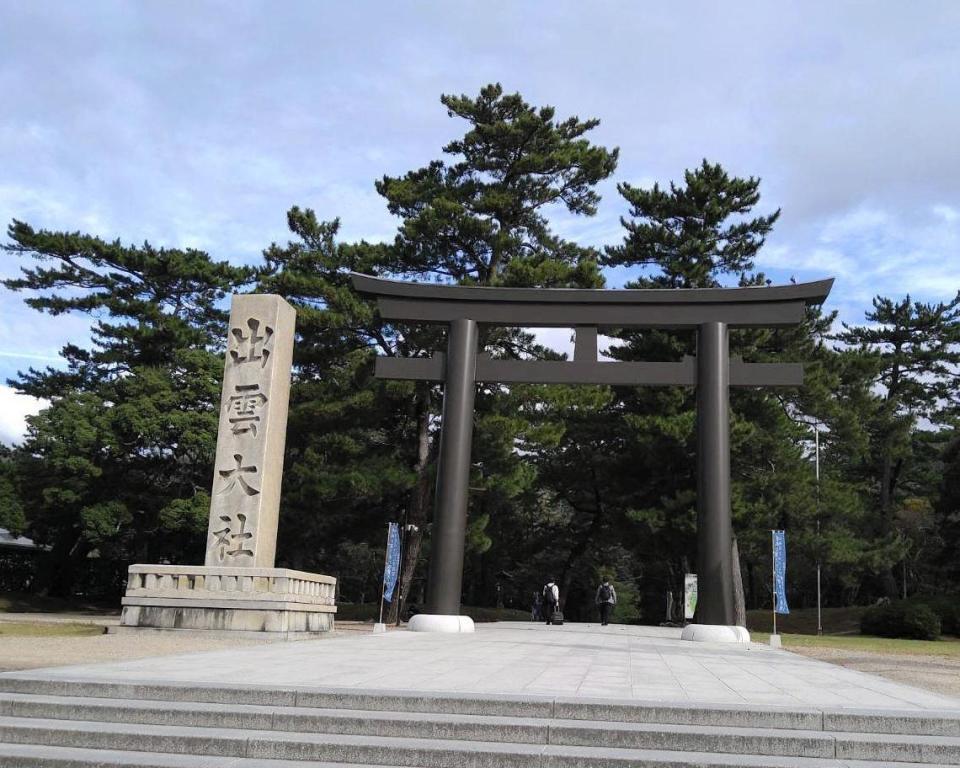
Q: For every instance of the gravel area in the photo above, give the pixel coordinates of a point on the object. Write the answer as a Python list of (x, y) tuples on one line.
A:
[(940, 674), (34, 652)]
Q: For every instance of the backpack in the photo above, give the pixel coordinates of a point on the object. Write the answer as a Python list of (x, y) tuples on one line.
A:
[(548, 595), (606, 594)]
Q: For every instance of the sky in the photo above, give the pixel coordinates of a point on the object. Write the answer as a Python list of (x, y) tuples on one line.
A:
[(201, 123)]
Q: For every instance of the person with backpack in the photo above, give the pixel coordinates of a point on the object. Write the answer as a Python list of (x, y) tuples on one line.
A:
[(606, 598), (551, 600)]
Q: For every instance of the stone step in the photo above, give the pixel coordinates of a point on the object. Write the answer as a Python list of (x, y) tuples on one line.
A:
[(424, 725), (356, 722), (905, 722), (40, 756), (569, 743)]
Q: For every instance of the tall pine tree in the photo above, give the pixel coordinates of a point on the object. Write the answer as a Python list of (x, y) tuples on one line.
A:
[(478, 216), (119, 463)]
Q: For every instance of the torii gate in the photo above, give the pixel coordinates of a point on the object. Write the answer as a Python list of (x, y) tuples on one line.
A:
[(710, 311)]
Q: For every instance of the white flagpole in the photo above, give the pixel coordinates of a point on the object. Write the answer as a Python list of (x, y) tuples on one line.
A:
[(773, 556), (383, 579), (816, 438)]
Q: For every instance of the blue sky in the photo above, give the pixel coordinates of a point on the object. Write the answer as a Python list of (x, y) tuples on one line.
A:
[(199, 123)]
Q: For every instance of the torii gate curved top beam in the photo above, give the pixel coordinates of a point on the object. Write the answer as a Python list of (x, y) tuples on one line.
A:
[(754, 306), (709, 311)]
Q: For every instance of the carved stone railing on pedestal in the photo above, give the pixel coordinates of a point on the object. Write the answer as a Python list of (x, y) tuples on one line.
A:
[(209, 597), (197, 581)]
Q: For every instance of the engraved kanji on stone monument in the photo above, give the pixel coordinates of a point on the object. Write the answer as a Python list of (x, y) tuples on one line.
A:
[(252, 347), (234, 476), (245, 498), (244, 408)]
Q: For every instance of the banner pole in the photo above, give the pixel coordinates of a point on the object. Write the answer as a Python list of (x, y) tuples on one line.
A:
[(816, 438), (773, 556), (399, 596), (383, 580)]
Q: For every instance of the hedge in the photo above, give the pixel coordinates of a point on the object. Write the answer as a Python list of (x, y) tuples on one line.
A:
[(901, 619)]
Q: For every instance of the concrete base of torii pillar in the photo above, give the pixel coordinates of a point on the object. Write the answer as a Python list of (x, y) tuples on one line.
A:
[(433, 622), (715, 633)]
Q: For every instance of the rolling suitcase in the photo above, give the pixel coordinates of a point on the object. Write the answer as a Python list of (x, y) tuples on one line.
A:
[(557, 618)]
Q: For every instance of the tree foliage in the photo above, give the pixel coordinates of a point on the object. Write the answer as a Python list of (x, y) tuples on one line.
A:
[(568, 483), (118, 466), (695, 233)]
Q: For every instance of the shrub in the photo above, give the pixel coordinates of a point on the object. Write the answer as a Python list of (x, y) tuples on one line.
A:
[(947, 608), (901, 619)]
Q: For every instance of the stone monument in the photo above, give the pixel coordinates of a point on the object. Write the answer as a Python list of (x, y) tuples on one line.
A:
[(238, 588)]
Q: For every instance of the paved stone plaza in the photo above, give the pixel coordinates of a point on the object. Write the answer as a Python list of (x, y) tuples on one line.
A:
[(575, 660)]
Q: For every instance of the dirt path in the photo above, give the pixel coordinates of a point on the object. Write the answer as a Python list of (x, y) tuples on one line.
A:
[(940, 674)]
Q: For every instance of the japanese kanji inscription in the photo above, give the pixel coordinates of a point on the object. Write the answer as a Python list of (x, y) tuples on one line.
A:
[(245, 499)]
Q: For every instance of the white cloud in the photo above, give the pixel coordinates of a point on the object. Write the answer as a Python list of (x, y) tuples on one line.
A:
[(817, 261), (946, 212), (558, 339), (14, 409), (875, 251), (183, 125)]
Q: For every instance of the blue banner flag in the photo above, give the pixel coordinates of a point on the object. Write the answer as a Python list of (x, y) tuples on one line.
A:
[(780, 572), (392, 568)]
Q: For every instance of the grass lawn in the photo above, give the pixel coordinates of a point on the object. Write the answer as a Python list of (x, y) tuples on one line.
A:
[(841, 627), (15, 602), (44, 629), (803, 621), (866, 644), (370, 611)]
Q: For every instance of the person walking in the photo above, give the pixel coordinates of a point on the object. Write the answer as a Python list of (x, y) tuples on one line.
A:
[(551, 600), (536, 609), (606, 598)]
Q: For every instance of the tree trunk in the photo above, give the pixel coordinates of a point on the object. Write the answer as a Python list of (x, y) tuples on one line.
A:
[(58, 569), (887, 478), (885, 489), (739, 602), (418, 506), (583, 542)]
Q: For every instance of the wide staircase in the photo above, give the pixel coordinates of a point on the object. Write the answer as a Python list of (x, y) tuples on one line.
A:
[(65, 723)]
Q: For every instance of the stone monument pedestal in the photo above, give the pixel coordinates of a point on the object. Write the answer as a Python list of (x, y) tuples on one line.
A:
[(198, 597)]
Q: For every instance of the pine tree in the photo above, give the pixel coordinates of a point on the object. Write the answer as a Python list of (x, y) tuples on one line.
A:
[(119, 463), (351, 439), (12, 516), (481, 219), (692, 234), (688, 235), (914, 349), (917, 349)]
